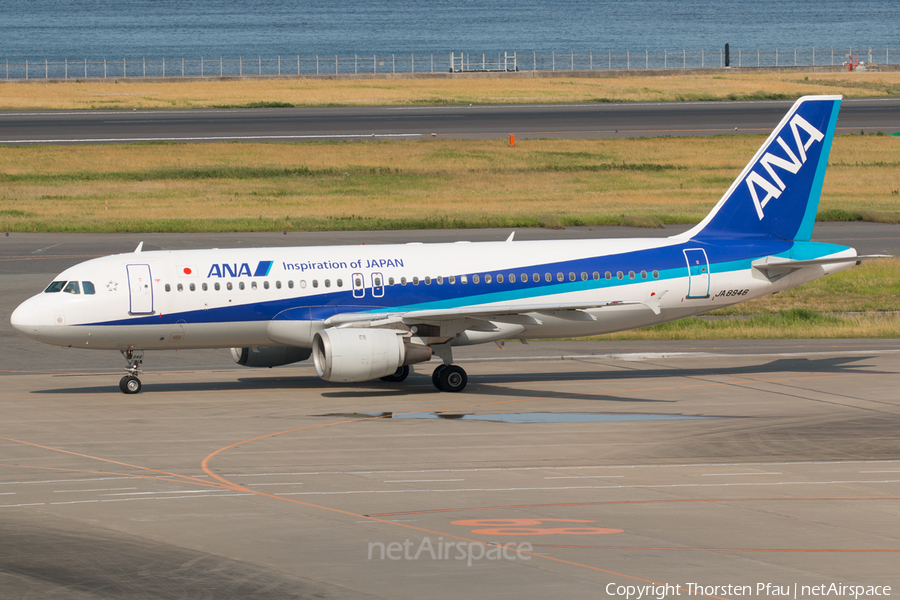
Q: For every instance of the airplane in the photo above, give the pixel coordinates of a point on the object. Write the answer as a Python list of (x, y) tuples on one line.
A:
[(370, 311)]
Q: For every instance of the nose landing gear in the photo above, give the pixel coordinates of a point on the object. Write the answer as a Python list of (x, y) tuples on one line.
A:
[(130, 384)]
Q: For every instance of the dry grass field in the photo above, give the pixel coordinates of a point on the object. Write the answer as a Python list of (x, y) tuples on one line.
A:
[(137, 93), (432, 183)]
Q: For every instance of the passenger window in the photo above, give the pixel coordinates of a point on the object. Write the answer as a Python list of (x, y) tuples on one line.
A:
[(630, 274), (608, 275), (357, 282), (452, 279), (193, 287), (278, 285), (229, 285), (315, 283), (252, 285), (427, 280), (524, 277), (571, 276), (499, 277), (88, 287), (180, 287), (560, 277), (487, 278), (217, 286), (440, 280), (265, 285), (291, 283), (340, 283), (464, 279), (643, 274), (476, 279), (328, 283), (596, 276), (548, 277), (378, 282), (240, 286), (620, 275), (72, 288), (55, 287), (583, 276), (655, 274), (168, 288), (415, 280), (205, 287), (536, 278), (403, 281), (390, 281)]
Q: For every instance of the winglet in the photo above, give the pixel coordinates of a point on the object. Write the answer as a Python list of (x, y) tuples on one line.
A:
[(510, 238), (139, 247)]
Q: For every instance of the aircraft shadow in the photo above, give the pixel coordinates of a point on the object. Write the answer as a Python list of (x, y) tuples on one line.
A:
[(491, 384)]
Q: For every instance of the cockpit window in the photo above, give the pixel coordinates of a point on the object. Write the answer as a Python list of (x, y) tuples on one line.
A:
[(54, 287), (88, 287), (72, 288)]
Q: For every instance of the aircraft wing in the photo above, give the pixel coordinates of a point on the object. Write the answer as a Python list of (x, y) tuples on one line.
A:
[(492, 312)]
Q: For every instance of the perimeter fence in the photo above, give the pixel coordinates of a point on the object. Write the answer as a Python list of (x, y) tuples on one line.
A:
[(462, 62)]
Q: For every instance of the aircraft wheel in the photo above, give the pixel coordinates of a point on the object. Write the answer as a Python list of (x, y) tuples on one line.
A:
[(453, 378), (397, 376), (130, 384), (436, 376)]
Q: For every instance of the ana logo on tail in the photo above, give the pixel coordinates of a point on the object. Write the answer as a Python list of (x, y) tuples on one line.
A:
[(773, 188)]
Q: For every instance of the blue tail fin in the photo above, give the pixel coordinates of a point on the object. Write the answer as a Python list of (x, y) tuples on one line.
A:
[(777, 193)]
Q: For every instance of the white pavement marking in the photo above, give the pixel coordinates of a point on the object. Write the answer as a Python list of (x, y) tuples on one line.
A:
[(217, 138)]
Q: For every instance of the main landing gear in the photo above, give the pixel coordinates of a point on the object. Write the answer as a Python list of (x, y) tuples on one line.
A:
[(449, 378), (130, 384)]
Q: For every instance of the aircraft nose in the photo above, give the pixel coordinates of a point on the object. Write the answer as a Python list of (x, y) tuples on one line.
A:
[(26, 319)]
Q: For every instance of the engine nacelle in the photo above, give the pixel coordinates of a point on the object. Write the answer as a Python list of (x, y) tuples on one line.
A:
[(269, 357), (356, 354)]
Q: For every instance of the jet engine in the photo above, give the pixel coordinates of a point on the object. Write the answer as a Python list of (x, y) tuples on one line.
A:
[(356, 354), (269, 357)]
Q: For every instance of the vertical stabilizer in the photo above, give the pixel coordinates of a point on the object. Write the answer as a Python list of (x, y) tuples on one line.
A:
[(777, 193)]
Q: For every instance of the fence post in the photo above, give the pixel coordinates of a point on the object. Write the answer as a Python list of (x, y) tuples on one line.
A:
[(67, 68), (814, 56), (554, 59), (240, 65), (432, 62), (646, 58), (220, 67), (776, 56), (412, 63), (46, 69), (795, 57), (124, 69), (356, 63), (317, 64), (627, 60), (85, 69), (104, 69), (164, 66), (533, 61), (609, 64), (665, 59), (702, 61), (393, 64), (335, 64), (144, 66), (374, 64), (832, 56), (573, 61), (298, 65), (26, 68), (683, 58), (279, 65), (592, 60), (757, 57)]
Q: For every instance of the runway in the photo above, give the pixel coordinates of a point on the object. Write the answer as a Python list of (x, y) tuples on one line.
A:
[(702, 465), (599, 120)]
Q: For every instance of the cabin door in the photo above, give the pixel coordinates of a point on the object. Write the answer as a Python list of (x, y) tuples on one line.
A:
[(140, 290), (698, 273)]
